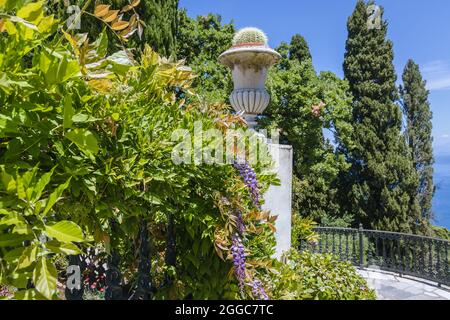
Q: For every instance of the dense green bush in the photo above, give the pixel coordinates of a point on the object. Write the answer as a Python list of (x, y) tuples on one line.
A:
[(307, 276), (86, 157), (303, 229)]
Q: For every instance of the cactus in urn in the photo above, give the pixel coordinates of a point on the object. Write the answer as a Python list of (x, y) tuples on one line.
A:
[(250, 36)]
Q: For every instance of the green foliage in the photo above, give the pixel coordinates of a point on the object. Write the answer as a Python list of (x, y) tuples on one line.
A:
[(345, 221), (86, 152), (31, 229), (307, 276), (414, 97), (303, 229), (380, 185), (249, 36), (441, 233), (302, 105), (200, 41), (299, 49), (161, 24), (28, 217), (151, 22)]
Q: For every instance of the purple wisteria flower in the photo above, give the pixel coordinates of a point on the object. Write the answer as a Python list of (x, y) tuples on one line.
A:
[(258, 290), (238, 252), (250, 180), (240, 223)]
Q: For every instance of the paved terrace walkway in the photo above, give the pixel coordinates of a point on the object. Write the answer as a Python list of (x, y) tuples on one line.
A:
[(390, 286)]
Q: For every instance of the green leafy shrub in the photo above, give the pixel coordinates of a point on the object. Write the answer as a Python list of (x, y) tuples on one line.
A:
[(200, 41), (308, 276), (303, 229), (86, 157)]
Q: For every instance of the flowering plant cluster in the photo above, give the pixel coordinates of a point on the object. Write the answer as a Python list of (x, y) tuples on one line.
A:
[(4, 291), (258, 290), (94, 276), (250, 180), (238, 250)]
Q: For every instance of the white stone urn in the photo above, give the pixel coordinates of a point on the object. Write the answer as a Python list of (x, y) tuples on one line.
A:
[(249, 58)]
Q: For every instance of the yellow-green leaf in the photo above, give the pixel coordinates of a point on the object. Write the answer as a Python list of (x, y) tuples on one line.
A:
[(44, 278), (64, 248), (41, 184), (54, 197), (13, 218), (14, 254), (28, 257), (29, 294), (31, 12), (23, 229), (65, 231), (84, 139), (47, 24), (68, 112)]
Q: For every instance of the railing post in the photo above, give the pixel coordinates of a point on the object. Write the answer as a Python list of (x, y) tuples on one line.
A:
[(361, 245), (114, 289), (143, 288)]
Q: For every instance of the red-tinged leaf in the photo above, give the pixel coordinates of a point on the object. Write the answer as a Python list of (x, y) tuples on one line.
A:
[(272, 227)]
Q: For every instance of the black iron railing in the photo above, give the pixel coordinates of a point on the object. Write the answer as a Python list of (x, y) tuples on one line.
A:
[(406, 254)]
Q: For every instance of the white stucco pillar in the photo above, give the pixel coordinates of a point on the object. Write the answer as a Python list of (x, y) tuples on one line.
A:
[(278, 199)]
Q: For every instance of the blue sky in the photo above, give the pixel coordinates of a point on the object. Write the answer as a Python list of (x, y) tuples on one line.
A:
[(419, 29)]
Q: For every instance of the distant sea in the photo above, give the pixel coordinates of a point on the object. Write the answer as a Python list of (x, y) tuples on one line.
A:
[(441, 201)]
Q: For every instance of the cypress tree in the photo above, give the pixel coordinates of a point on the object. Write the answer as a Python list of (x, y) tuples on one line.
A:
[(161, 19), (416, 108), (299, 49), (381, 179)]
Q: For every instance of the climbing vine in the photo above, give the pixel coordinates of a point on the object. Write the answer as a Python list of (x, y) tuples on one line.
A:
[(86, 160)]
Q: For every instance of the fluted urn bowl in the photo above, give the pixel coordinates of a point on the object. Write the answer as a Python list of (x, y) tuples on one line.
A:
[(249, 64)]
